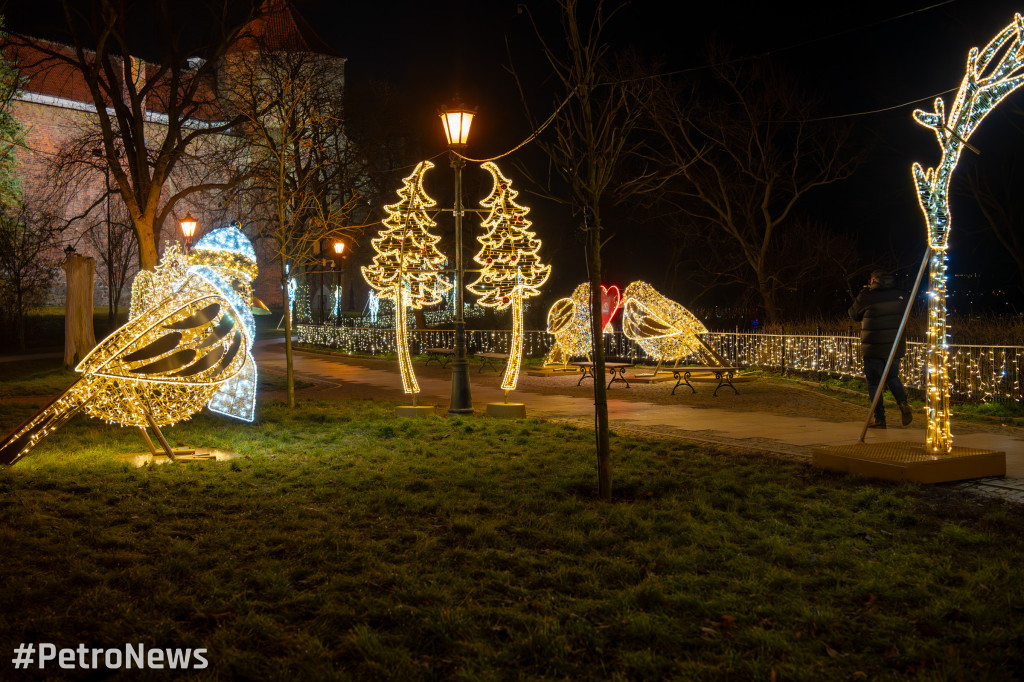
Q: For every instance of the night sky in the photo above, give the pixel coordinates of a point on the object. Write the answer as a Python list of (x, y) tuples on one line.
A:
[(853, 57)]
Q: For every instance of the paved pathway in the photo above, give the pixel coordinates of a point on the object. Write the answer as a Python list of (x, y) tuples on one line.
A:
[(746, 431)]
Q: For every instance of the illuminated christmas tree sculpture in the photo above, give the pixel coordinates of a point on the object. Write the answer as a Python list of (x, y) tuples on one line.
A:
[(407, 267), (992, 74), (511, 270)]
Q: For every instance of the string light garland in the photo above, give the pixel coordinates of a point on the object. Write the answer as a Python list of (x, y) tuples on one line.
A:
[(187, 343), (662, 327), (992, 74), (977, 373), (407, 267), (511, 269)]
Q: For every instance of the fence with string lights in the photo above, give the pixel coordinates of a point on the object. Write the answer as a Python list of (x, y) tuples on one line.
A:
[(977, 373)]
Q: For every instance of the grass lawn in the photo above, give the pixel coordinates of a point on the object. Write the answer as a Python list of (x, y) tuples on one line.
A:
[(345, 544)]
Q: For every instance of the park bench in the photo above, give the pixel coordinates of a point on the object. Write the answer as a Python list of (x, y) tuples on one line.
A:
[(616, 369), (723, 374), (441, 356), (491, 360)]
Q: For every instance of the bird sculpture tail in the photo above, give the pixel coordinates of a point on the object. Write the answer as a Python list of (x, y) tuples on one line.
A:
[(43, 423)]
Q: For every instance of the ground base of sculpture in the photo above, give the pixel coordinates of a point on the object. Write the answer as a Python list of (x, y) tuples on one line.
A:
[(903, 461), (551, 371), (181, 456), (651, 378), (506, 410), (414, 411)]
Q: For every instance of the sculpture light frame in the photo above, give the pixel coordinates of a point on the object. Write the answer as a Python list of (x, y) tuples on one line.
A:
[(569, 322), (511, 270), (664, 329), (407, 267), (992, 74), (187, 343)]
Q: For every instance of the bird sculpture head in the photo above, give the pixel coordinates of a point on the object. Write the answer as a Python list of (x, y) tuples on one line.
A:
[(227, 249), (229, 253)]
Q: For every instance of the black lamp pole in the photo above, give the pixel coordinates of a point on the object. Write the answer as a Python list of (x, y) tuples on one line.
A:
[(462, 400)]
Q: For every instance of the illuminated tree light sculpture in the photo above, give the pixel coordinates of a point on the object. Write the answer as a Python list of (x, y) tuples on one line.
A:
[(187, 343), (663, 328), (407, 267), (992, 74), (511, 268)]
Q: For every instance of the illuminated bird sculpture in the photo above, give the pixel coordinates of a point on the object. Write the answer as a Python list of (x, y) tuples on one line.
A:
[(569, 322), (663, 328), (187, 343)]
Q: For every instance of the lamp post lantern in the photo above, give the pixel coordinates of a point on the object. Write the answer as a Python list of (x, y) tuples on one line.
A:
[(188, 229), (456, 122), (339, 248)]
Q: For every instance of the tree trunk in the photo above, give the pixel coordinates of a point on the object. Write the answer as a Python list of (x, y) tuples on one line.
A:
[(771, 310), (515, 346), (604, 467), (148, 251), (79, 337), (939, 434), (421, 318)]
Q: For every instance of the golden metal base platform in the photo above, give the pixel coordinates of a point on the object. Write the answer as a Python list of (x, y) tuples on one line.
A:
[(414, 411), (650, 378), (506, 410), (903, 461), (181, 455), (551, 371)]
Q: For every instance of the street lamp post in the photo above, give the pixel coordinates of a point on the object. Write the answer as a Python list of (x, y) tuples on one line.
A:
[(188, 229), (456, 124), (339, 248)]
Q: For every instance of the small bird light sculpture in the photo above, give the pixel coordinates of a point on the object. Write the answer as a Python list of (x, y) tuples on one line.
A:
[(187, 343), (663, 328)]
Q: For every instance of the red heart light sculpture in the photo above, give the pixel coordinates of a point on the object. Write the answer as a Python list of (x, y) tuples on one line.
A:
[(611, 301)]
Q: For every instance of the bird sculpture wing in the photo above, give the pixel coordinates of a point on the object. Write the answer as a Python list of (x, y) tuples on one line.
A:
[(193, 337), (560, 315), (662, 327), (195, 344)]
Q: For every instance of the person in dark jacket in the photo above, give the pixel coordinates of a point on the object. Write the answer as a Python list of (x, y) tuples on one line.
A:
[(879, 308)]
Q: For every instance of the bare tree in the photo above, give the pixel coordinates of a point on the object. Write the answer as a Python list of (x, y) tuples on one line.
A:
[(28, 266), (150, 118), (996, 197), (590, 140), (112, 239), (301, 176), (747, 155)]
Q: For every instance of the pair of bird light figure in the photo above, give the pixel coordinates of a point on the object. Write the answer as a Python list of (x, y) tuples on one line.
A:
[(187, 344), (664, 329)]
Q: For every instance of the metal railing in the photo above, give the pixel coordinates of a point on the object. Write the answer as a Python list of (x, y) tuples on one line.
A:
[(978, 373)]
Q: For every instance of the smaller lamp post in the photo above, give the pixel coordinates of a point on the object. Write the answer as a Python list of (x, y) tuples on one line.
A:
[(188, 229), (339, 249), (456, 122)]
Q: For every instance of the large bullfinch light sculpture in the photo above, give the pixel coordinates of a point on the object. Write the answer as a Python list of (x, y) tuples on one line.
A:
[(187, 344)]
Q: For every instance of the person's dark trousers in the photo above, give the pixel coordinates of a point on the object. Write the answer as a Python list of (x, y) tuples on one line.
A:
[(873, 368)]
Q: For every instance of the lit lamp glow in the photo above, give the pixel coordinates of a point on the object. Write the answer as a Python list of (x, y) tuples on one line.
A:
[(188, 343), (188, 229), (456, 126), (992, 74), (511, 270)]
